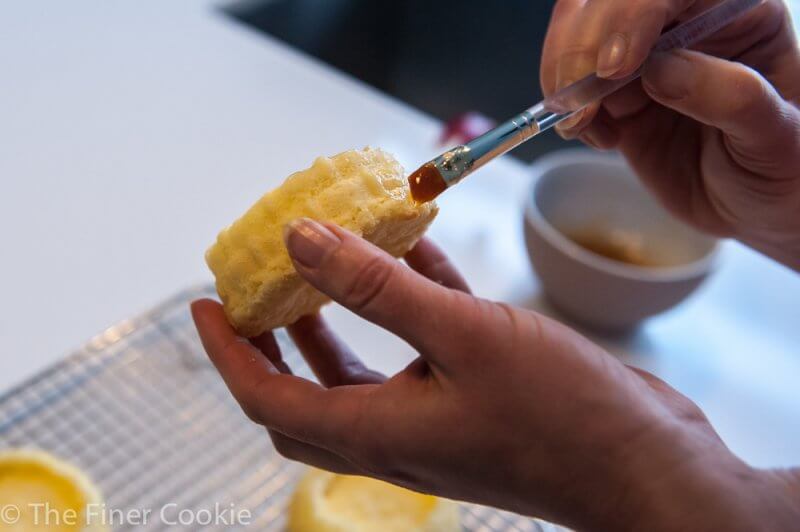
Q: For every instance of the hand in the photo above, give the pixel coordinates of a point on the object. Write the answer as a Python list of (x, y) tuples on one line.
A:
[(714, 133), (503, 407)]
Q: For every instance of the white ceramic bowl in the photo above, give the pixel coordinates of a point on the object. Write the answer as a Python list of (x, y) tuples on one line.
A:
[(579, 191)]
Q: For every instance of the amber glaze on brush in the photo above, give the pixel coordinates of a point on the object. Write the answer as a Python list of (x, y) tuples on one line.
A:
[(454, 165), (426, 183)]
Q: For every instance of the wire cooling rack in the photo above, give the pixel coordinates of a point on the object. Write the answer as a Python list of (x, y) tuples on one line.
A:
[(142, 411)]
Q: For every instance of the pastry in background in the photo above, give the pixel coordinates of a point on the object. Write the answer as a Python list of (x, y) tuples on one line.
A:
[(364, 191), (327, 502), (32, 480)]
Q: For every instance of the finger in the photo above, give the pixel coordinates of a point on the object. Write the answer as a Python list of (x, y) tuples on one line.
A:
[(289, 447), (576, 44), (601, 134), (330, 359), (562, 20), (573, 126), (627, 102), (241, 365), (763, 36), (657, 136), (427, 259), (611, 38), (760, 126), (312, 455), (572, 67), (298, 408), (268, 345), (374, 285), (631, 29)]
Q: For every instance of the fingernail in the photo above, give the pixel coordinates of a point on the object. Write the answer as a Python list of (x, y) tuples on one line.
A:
[(666, 74), (309, 242), (571, 122), (564, 82), (611, 58), (588, 138)]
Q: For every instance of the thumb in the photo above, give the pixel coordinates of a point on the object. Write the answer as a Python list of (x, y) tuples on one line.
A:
[(376, 286), (763, 129)]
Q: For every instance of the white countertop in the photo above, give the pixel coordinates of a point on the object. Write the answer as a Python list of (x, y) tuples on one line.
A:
[(131, 132)]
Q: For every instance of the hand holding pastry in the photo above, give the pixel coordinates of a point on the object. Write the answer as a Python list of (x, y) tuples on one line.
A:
[(503, 406)]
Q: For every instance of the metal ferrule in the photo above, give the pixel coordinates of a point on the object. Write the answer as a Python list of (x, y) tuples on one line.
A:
[(458, 163)]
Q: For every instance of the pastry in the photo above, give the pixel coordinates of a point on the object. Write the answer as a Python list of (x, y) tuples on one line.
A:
[(364, 191), (41, 492), (327, 502)]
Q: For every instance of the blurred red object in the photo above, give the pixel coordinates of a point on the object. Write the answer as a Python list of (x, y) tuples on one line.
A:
[(465, 127)]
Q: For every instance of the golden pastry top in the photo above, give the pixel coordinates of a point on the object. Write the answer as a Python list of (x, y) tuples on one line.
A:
[(327, 502), (45, 493)]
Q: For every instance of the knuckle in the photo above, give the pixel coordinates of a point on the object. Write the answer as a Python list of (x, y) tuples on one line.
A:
[(522, 328), (478, 329), (513, 325), (749, 94), (692, 412), (577, 57), (368, 282)]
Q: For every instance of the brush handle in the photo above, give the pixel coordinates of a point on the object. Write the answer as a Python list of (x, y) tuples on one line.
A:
[(591, 88), (461, 161)]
